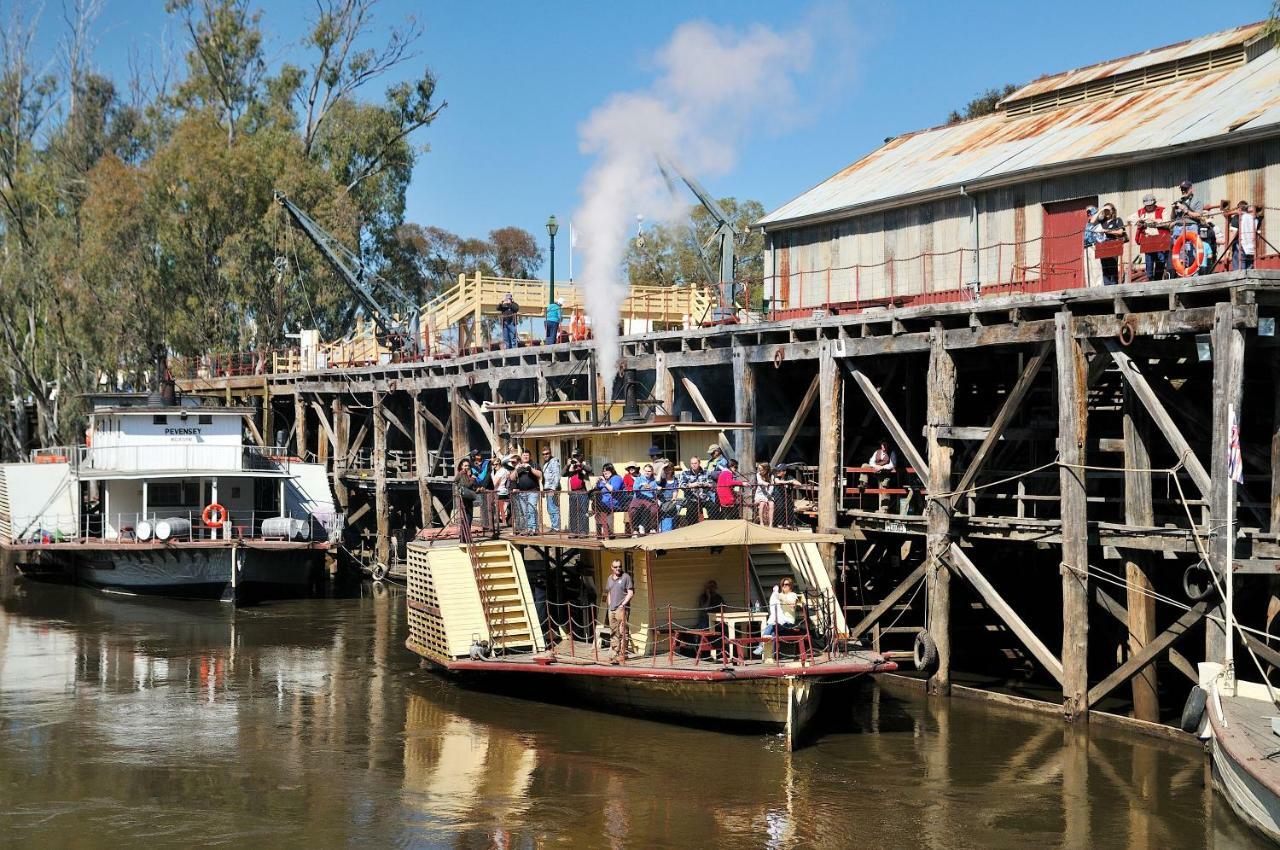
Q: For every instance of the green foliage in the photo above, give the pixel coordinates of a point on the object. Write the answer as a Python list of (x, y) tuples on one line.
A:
[(672, 254), (131, 225), (984, 104)]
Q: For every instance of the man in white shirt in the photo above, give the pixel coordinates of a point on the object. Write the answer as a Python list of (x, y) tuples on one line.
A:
[(1246, 236)]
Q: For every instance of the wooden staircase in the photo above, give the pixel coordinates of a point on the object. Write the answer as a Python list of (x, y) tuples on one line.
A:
[(505, 596)]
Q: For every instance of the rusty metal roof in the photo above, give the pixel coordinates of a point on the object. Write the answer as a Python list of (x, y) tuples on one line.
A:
[(1113, 67), (1212, 108)]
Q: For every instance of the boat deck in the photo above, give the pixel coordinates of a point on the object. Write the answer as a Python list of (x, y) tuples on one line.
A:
[(1245, 759), (855, 663), (151, 545)]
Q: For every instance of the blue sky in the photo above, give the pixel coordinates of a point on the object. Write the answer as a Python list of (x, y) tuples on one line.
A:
[(521, 77)]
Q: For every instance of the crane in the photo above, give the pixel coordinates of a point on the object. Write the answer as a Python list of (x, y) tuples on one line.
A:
[(720, 244), (368, 288)]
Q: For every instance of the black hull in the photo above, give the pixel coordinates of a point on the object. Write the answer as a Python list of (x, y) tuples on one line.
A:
[(178, 573)]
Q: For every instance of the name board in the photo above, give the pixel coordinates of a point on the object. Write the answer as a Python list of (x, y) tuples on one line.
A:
[(182, 432)]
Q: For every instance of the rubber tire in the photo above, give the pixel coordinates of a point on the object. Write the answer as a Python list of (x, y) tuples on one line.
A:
[(1186, 585), (378, 572), (1193, 710), (924, 652)]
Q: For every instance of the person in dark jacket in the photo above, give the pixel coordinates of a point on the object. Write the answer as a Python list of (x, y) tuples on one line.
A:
[(508, 312)]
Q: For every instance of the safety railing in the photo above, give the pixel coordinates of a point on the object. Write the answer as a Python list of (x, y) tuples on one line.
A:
[(601, 513), (184, 525), (170, 457), (1042, 264), (678, 637)]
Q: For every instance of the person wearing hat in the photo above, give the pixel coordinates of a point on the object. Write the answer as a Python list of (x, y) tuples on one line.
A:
[(508, 311), (555, 312), (1111, 228), (655, 455), (482, 469), (1188, 213), (1149, 222), (716, 461)]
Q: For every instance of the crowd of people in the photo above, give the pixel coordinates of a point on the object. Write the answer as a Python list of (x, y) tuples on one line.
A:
[(514, 490), (1187, 237)]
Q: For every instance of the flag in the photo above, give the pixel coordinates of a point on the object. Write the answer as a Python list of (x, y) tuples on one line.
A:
[(1235, 468)]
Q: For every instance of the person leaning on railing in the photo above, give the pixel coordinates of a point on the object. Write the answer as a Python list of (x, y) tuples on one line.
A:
[(729, 496), (642, 513), (1150, 226), (579, 473), (551, 488), (1111, 228), (668, 508), (695, 483), (464, 483), (607, 492)]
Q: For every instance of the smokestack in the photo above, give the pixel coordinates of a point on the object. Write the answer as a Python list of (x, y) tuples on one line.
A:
[(591, 389), (630, 403)]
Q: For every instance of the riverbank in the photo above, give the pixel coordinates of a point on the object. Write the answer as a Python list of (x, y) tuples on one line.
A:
[(307, 723)]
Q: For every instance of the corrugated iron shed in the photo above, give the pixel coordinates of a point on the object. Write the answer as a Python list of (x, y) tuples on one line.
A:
[(1114, 67), (1218, 107)]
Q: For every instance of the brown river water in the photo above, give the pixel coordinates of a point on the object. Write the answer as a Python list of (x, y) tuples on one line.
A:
[(126, 722)]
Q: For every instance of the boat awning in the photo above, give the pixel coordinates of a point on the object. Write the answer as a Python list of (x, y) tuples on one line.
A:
[(719, 532), (579, 429), (123, 475)]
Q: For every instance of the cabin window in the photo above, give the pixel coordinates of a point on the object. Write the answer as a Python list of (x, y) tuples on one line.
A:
[(669, 444), (206, 419), (173, 494), (159, 420)]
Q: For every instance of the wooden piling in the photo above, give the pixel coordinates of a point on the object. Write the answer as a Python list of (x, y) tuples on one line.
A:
[(422, 460), (341, 433), (1228, 375), (940, 408), (1073, 417), (300, 425), (1140, 603), (381, 504), (744, 410), (831, 418)]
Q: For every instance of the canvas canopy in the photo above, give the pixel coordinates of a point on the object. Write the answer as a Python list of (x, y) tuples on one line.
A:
[(719, 532)]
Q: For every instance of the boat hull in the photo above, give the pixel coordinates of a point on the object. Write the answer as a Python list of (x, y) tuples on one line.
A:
[(1241, 767), (782, 703), (194, 573)]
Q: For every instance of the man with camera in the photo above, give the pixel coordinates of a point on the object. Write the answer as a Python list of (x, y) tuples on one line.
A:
[(1149, 222), (1188, 215), (527, 481)]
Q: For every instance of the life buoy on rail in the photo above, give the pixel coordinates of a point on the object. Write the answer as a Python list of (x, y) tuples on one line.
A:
[(214, 515), (1179, 245)]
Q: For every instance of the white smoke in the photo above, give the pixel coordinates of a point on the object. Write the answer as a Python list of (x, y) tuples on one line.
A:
[(714, 86)]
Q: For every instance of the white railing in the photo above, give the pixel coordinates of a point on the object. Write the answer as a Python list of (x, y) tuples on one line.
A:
[(182, 525), (179, 457)]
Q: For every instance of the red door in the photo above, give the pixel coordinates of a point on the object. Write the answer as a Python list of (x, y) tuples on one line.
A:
[(1062, 246)]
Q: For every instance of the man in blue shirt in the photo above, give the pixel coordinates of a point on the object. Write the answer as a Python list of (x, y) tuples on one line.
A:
[(554, 313)]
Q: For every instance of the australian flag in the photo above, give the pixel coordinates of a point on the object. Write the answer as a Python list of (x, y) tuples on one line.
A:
[(1235, 468)]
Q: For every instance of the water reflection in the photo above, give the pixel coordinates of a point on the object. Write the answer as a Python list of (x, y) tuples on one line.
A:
[(306, 723)]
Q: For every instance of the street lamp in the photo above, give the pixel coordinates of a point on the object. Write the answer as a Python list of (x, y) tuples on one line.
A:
[(552, 228)]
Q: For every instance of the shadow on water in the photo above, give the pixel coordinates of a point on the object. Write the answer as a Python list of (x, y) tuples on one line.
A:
[(307, 723)]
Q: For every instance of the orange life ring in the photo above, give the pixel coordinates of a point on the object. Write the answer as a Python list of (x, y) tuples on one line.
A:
[(1179, 265), (214, 515)]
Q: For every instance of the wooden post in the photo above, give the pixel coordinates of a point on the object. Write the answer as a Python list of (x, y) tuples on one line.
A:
[(1228, 374), (744, 409), (457, 428), (382, 508), (1275, 450), (300, 424), (830, 386), (1072, 431), (664, 384), (342, 433), (1140, 602), (940, 409), (268, 436), (422, 460)]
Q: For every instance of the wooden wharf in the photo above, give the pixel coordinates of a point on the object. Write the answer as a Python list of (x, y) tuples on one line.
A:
[(1063, 460)]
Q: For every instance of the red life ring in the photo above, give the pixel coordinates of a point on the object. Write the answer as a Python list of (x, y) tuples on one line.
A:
[(214, 515), (1179, 265)]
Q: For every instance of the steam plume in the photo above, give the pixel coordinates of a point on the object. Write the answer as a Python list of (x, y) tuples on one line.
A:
[(711, 83)]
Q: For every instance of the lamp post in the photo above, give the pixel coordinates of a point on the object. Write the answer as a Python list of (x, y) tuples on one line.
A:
[(552, 229)]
